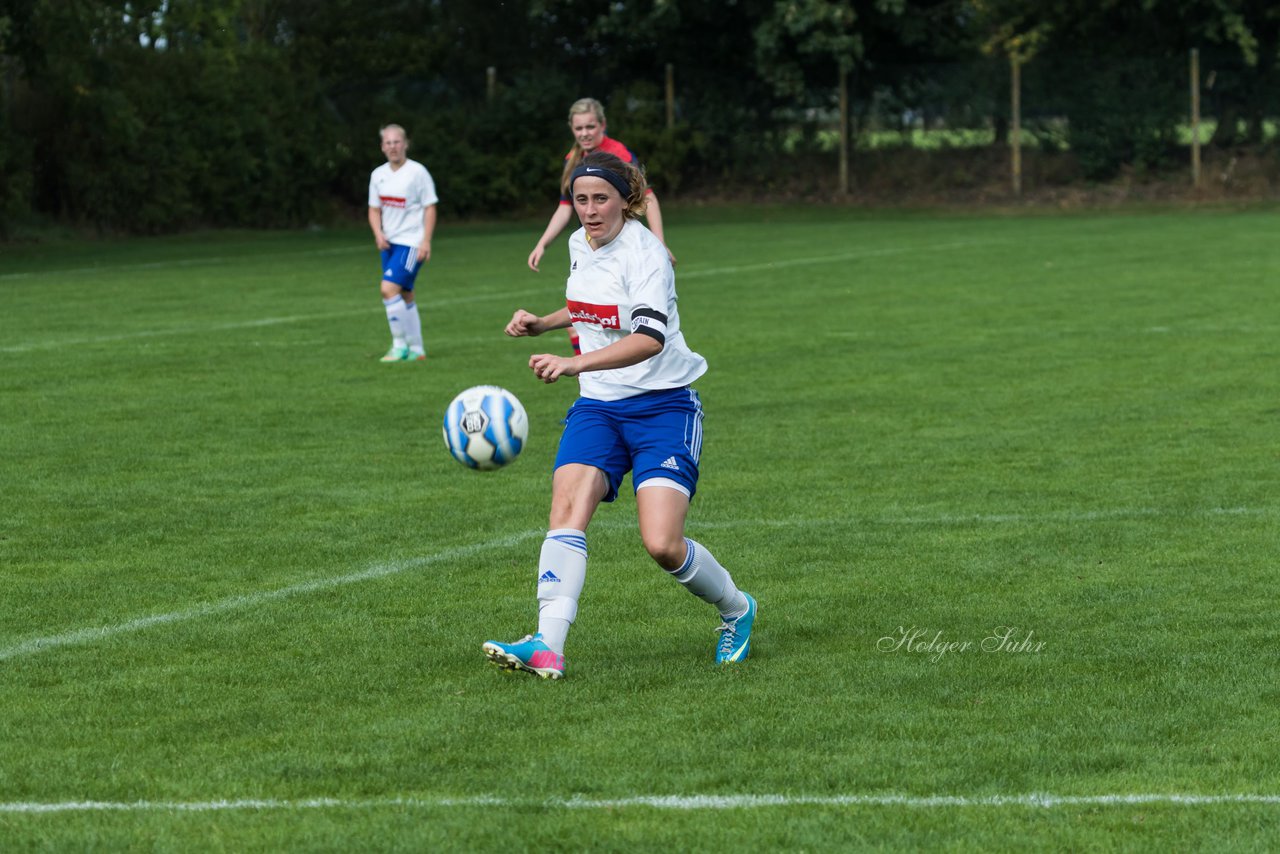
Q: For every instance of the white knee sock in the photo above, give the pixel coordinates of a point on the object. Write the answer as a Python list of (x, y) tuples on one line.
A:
[(413, 327), (705, 578), (562, 570), (395, 319)]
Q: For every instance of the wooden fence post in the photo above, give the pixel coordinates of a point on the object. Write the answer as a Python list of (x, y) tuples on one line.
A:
[(1015, 123), (671, 96), (844, 132), (1195, 117)]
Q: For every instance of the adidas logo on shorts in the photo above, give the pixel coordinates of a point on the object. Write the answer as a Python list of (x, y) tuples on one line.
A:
[(670, 463)]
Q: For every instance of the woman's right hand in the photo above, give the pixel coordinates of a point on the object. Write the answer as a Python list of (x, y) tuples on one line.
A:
[(523, 323)]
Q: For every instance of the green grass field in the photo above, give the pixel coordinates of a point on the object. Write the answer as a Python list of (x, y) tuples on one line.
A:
[(245, 587)]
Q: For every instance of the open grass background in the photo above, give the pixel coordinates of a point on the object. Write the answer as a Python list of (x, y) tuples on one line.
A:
[(237, 563)]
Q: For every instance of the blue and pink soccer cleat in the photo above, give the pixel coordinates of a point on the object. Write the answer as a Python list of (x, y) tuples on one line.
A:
[(529, 654)]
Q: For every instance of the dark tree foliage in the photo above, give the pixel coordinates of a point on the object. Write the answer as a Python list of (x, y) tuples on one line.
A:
[(149, 116)]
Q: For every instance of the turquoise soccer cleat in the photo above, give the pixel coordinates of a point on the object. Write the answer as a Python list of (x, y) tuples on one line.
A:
[(529, 654), (735, 635)]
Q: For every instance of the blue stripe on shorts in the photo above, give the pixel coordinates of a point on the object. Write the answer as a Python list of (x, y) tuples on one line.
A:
[(400, 265), (656, 434)]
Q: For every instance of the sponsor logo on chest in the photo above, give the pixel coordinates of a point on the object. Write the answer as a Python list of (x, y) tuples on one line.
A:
[(392, 201), (604, 316)]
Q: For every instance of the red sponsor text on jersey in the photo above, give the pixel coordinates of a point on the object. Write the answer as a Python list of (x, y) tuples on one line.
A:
[(604, 316), (392, 201)]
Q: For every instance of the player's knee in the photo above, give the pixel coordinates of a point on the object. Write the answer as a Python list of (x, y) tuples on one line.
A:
[(575, 493), (569, 511), (667, 551)]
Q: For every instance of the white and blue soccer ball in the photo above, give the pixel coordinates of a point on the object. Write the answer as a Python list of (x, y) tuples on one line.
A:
[(485, 427)]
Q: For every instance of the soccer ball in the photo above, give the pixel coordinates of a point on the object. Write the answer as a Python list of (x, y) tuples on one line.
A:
[(485, 427)]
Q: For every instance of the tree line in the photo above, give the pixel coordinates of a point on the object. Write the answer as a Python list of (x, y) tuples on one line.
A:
[(147, 116)]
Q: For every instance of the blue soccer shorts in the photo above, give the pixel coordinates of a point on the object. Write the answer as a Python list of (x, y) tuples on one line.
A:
[(652, 435), (400, 265)]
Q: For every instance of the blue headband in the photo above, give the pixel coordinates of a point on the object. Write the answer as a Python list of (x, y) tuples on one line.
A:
[(619, 183)]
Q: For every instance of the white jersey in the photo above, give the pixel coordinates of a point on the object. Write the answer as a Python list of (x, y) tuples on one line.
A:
[(403, 195), (628, 286)]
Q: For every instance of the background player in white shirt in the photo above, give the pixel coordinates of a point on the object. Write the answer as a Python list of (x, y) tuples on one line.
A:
[(402, 215), (636, 413)]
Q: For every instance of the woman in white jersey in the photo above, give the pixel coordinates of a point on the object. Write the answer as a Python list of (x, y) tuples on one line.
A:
[(636, 413), (402, 216)]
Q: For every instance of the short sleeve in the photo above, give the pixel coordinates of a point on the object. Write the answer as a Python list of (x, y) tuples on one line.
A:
[(651, 282), (427, 187)]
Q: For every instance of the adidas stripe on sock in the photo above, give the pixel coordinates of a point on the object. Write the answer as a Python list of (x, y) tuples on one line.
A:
[(704, 577), (413, 327), (562, 571), (395, 319)]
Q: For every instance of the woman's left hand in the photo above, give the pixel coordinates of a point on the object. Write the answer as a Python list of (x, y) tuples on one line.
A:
[(549, 367)]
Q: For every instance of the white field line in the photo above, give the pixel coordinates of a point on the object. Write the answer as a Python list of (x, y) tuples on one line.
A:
[(657, 802), (214, 260), (1074, 516), (211, 260), (300, 318), (77, 637), (34, 646), (1043, 332), (176, 330), (783, 263), (985, 518), (241, 324)]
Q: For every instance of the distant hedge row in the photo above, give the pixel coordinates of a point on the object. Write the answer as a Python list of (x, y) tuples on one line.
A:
[(151, 141), (164, 142)]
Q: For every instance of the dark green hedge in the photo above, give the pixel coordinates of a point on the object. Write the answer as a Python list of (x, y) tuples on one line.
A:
[(149, 141)]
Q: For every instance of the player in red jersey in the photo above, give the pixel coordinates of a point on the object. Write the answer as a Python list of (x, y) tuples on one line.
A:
[(586, 120)]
